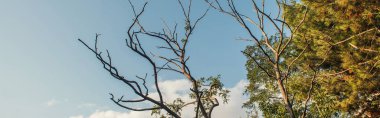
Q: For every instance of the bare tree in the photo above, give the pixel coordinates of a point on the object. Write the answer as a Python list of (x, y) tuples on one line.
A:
[(204, 91), (270, 49)]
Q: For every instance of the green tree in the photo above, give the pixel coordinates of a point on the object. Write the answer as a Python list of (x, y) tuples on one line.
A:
[(326, 66), (270, 60), (344, 47)]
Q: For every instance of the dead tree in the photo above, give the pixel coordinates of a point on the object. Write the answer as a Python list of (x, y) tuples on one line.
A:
[(203, 101), (271, 47)]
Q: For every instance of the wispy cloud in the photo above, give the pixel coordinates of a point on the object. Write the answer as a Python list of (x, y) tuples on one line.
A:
[(87, 105), (52, 102)]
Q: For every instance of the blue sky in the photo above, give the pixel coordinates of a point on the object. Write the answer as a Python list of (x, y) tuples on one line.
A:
[(46, 73)]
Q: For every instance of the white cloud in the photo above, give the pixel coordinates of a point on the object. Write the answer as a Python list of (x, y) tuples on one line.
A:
[(114, 114), (52, 102), (234, 107), (80, 116), (172, 89), (87, 105)]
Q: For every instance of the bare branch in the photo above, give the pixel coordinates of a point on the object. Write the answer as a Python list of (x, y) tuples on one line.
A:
[(129, 108), (213, 106), (359, 34), (293, 32), (258, 64), (309, 93)]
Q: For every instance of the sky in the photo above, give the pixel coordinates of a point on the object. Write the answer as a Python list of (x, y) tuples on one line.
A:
[(46, 73)]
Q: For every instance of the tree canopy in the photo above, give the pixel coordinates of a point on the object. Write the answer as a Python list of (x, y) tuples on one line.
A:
[(338, 44)]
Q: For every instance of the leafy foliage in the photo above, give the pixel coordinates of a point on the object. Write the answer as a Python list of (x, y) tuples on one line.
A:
[(344, 47), (262, 89), (339, 44), (211, 89)]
